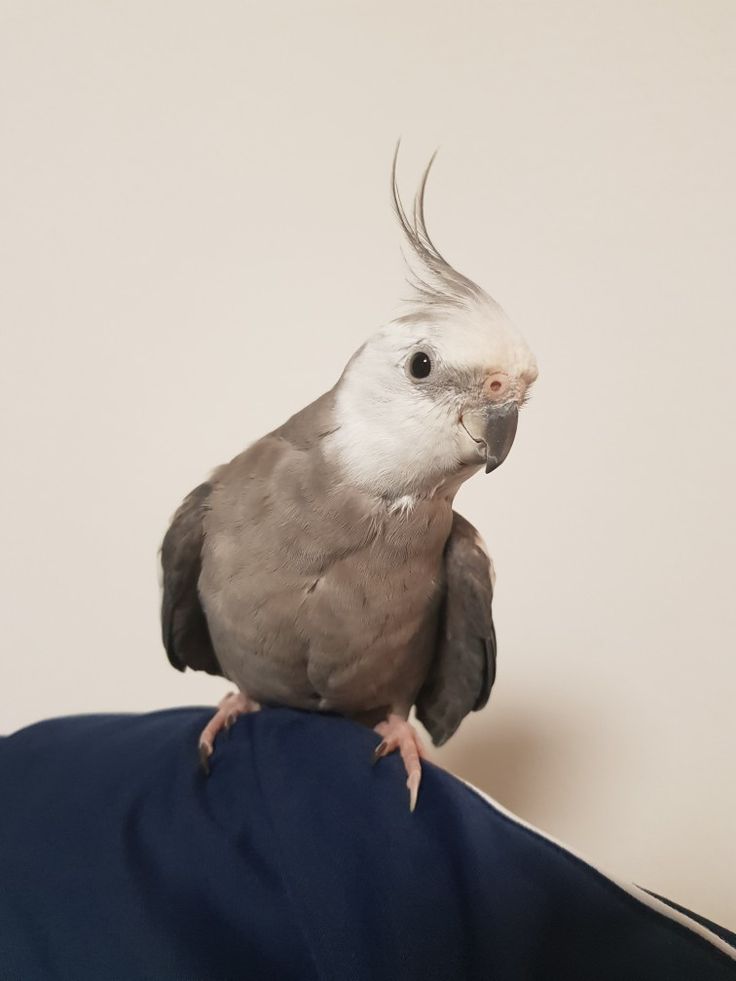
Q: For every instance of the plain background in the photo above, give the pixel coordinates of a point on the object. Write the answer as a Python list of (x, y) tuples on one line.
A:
[(195, 235)]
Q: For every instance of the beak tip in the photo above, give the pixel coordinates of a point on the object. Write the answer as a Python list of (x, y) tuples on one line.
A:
[(499, 435)]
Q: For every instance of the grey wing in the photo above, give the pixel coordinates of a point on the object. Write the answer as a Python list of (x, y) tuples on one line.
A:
[(464, 666), (184, 627)]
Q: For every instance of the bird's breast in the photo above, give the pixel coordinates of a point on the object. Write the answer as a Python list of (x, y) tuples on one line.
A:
[(371, 618), (308, 608)]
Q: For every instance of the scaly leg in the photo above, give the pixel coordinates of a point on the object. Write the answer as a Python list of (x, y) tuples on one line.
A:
[(397, 733), (228, 710)]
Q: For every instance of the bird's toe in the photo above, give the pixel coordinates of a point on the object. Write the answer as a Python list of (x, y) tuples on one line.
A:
[(398, 734)]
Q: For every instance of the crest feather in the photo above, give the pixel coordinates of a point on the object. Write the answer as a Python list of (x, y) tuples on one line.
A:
[(437, 285)]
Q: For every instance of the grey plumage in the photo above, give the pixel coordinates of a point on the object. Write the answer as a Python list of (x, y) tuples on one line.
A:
[(183, 623), (319, 597), (324, 567), (463, 668)]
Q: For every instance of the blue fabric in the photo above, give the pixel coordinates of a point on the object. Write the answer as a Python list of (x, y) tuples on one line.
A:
[(295, 859)]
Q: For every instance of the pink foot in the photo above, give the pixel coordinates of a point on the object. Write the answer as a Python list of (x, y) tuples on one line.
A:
[(396, 733), (228, 710)]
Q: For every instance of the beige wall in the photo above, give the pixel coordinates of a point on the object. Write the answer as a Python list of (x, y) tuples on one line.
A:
[(196, 234)]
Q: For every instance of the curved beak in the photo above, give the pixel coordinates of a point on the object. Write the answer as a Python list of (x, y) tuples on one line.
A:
[(493, 428), (501, 423)]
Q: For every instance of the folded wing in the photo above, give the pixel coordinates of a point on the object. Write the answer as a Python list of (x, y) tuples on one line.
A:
[(464, 667), (184, 628)]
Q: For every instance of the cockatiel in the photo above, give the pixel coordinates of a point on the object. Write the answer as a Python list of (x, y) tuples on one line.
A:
[(324, 568)]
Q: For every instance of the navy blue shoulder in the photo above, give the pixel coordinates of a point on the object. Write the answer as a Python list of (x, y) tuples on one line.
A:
[(297, 859)]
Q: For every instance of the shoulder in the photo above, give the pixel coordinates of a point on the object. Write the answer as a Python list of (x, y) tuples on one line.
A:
[(291, 445), (306, 429)]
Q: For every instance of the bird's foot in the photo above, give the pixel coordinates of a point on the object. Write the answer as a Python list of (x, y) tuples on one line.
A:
[(228, 710), (397, 733)]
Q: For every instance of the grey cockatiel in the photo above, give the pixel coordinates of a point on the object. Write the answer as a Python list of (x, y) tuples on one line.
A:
[(324, 567)]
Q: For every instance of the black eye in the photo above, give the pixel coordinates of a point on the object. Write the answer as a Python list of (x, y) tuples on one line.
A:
[(420, 365)]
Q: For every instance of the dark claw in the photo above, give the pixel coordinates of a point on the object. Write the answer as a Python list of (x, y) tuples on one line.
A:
[(204, 758), (379, 751)]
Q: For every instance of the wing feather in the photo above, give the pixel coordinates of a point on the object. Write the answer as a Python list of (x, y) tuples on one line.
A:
[(464, 667), (184, 627)]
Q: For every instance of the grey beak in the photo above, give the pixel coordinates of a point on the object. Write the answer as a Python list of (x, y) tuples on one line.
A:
[(499, 432)]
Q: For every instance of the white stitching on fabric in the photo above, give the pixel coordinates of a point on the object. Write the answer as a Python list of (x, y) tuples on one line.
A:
[(627, 887)]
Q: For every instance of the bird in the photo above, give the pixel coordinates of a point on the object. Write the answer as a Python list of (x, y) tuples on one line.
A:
[(324, 568)]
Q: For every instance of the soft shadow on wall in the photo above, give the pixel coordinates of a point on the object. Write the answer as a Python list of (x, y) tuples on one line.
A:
[(525, 761)]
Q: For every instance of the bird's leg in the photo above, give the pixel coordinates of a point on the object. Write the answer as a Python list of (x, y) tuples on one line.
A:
[(397, 733), (228, 710)]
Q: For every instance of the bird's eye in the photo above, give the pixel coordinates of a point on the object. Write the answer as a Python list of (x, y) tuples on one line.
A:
[(420, 365)]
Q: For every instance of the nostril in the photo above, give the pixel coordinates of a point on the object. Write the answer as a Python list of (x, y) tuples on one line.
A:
[(496, 385)]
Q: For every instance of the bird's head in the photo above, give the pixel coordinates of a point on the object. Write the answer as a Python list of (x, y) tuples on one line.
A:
[(434, 395)]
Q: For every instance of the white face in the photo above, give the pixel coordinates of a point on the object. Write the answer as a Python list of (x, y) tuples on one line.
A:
[(404, 395)]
